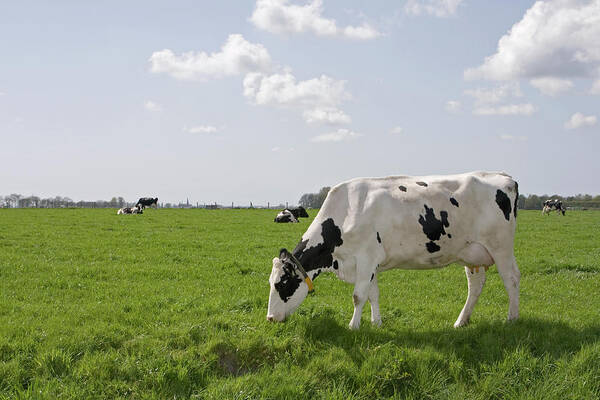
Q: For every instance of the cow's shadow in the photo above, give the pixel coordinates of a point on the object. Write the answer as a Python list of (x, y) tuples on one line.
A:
[(476, 344)]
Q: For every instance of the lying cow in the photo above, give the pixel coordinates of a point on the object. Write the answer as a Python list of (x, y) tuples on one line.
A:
[(370, 225), (148, 202), (130, 210), (291, 215), (286, 216), (551, 205)]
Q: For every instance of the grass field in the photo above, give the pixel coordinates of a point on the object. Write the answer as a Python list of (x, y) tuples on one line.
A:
[(172, 304)]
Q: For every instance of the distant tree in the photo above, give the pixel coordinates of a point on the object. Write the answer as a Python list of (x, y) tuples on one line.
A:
[(314, 200)]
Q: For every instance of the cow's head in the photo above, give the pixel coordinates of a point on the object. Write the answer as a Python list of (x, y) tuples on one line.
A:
[(302, 212), (288, 288)]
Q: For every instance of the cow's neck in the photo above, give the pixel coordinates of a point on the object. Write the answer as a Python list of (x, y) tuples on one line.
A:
[(318, 258)]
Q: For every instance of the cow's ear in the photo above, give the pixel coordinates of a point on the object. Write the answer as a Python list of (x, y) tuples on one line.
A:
[(283, 254)]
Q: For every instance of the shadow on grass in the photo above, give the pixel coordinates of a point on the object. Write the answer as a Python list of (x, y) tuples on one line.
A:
[(476, 344)]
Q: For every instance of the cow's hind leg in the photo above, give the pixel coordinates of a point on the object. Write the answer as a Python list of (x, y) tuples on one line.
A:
[(361, 290), (475, 282), (509, 271), (364, 290), (374, 300)]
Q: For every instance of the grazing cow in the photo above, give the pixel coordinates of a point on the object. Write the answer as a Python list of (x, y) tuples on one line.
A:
[(291, 215), (553, 204), (148, 202), (369, 225), (286, 216), (130, 210)]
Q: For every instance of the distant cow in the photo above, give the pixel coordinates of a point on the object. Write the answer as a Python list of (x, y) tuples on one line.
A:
[(291, 215), (370, 225), (130, 210), (285, 216), (148, 202), (551, 205)]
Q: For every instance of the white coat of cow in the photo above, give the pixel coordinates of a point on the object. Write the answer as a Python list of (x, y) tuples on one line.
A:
[(369, 225)]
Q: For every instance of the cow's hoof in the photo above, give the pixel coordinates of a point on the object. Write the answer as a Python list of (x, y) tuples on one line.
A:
[(376, 323), (460, 323)]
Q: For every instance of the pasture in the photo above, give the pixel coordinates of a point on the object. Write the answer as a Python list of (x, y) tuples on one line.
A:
[(172, 304)]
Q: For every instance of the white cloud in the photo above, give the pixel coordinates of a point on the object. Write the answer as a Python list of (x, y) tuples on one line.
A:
[(578, 120), (237, 56), (437, 8), (495, 95), (283, 89), (152, 106), (508, 109), (337, 136), (201, 129), (397, 130), (555, 38), (513, 138), (281, 17), (328, 115), (453, 106), (551, 86)]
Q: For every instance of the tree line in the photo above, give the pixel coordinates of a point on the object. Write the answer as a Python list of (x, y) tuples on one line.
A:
[(16, 200), (308, 200), (579, 201)]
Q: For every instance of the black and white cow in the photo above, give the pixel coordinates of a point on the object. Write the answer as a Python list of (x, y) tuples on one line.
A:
[(551, 205), (285, 216), (130, 210), (291, 215), (370, 225), (148, 202)]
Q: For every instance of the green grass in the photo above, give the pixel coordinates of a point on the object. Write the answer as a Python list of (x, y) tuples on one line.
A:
[(172, 304)]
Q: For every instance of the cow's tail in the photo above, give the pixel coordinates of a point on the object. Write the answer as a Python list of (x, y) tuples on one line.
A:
[(516, 197)]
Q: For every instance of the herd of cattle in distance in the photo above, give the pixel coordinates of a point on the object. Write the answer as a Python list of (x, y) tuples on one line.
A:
[(139, 207)]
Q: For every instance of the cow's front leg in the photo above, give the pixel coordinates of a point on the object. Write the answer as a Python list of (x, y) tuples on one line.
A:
[(475, 282), (361, 293), (374, 300)]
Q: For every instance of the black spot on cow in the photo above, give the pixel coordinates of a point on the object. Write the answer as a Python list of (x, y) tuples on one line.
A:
[(433, 228), (504, 203), (449, 236), (372, 276), (316, 274), (403, 188), (422, 184), (335, 265), (432, 247), (288, 284), (378, 237), (517, 198), (320, 256), (453, 201)]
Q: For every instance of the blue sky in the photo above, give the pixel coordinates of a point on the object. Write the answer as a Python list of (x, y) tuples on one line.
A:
[(265, 100)]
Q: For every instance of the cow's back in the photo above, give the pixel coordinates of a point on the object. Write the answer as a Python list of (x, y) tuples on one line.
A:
[(423, 221)]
